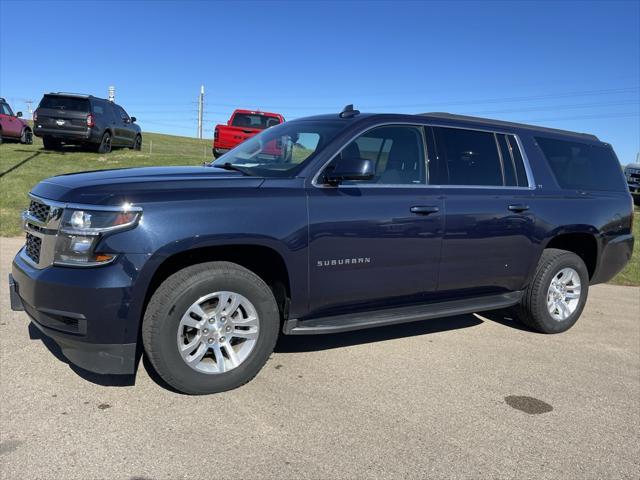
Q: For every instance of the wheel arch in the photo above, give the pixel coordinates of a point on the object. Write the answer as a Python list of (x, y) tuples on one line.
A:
[(265, 261), (581, 241)]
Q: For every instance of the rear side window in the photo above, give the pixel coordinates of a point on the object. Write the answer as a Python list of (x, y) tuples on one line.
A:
[(471, 157), (581, 166), (65, 103)]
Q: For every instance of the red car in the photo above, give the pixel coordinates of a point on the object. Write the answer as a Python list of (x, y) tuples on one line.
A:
[(12, 126), (242, 125)]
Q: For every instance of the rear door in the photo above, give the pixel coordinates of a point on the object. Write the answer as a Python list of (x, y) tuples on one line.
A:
[(64, 114), (488, 244), (379, 240)]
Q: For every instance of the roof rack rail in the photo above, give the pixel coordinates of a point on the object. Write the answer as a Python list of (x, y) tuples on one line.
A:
[(70, 94), (503, 123)]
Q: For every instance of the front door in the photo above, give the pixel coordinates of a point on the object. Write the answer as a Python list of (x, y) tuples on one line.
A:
[(376, 241)]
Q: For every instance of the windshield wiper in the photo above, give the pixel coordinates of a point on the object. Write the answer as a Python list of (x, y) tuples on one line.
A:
[(231, 166)]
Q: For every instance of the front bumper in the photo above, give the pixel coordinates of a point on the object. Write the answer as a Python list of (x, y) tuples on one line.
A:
[(634, 188), (90, 313)]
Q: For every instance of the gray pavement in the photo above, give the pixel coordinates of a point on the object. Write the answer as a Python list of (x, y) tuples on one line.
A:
[(425, 400)]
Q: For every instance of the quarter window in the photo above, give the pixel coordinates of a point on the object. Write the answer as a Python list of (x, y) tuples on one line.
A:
[(396, 151), (471, 157), (581, 166)]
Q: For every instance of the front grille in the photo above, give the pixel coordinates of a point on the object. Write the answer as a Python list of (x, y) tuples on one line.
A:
[(39, 210), (32, 247)]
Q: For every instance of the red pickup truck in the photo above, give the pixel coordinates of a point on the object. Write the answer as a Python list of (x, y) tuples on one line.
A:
[(242, 125)]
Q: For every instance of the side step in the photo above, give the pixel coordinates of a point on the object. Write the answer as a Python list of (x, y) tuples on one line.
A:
[(392, 316)]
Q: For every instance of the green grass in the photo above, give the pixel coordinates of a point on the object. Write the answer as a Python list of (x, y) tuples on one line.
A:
[(34, 164), (39, 164)]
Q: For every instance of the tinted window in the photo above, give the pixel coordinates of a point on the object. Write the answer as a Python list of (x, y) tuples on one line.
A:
[(121, 113), (396, 151), (254, 121), (581, 165), (65, 103), (471, 157)]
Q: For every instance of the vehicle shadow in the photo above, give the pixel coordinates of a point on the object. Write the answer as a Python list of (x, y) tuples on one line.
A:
[(98, 379)]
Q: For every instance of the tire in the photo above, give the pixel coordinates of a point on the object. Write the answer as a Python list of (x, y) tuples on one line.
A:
[(169, 306), (26, 137), (50, 144), (137, 143), (534, 310), (105, 144), (216, 154), (0, 138)]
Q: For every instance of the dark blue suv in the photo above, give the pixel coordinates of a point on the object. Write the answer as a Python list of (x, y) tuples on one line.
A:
[(319, 225)]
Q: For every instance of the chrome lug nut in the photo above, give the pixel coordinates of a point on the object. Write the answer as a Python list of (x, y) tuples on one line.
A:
[(223, 319), (222, 339), (210, 340), (228, 329), (205, 331)]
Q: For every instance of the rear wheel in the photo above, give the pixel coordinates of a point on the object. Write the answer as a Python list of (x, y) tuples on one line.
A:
[(26, 137), (555, 298), (105, 143), (50, 144), (210, 327)]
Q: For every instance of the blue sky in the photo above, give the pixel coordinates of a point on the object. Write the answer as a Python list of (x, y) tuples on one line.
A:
[(572, 65)]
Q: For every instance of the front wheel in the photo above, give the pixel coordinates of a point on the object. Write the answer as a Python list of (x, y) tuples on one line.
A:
[(210, 327), (137, 143), (555, 298)]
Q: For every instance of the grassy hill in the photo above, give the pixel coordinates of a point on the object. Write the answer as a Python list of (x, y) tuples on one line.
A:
[(22, 166)]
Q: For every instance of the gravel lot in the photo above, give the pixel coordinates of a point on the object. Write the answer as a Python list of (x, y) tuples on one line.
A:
[(434, 399)]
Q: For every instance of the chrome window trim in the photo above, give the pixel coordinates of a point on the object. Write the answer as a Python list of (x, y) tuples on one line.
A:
[(525, 160)]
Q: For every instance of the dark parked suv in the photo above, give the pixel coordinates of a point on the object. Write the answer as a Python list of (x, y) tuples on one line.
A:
[(84, 120), (353, 221)]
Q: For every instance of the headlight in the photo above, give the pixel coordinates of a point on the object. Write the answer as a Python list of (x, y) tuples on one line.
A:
[(80, 231)]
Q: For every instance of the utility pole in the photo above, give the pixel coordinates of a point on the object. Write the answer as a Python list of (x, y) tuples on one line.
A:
[(30, 108), (200, 110)]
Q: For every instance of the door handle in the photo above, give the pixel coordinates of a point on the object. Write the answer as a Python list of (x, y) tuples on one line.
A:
[(519, 207), (424, 209)]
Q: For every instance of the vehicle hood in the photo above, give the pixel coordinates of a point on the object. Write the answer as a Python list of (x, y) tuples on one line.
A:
[(138, 185), (633, 165)]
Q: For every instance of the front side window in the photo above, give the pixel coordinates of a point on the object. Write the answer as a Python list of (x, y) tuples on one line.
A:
[(279, 151), (396, 151), (5, 109), (123, 115), (471, 157)]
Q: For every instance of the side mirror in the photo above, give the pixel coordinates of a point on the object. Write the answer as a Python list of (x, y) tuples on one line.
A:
[(133, 119), (351, 169), (19, 114)]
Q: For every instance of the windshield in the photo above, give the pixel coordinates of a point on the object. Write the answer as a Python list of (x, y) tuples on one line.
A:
[(279, 151), (251, 120)]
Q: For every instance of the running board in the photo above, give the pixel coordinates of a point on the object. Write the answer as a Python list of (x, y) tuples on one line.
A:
[(392, 316)]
